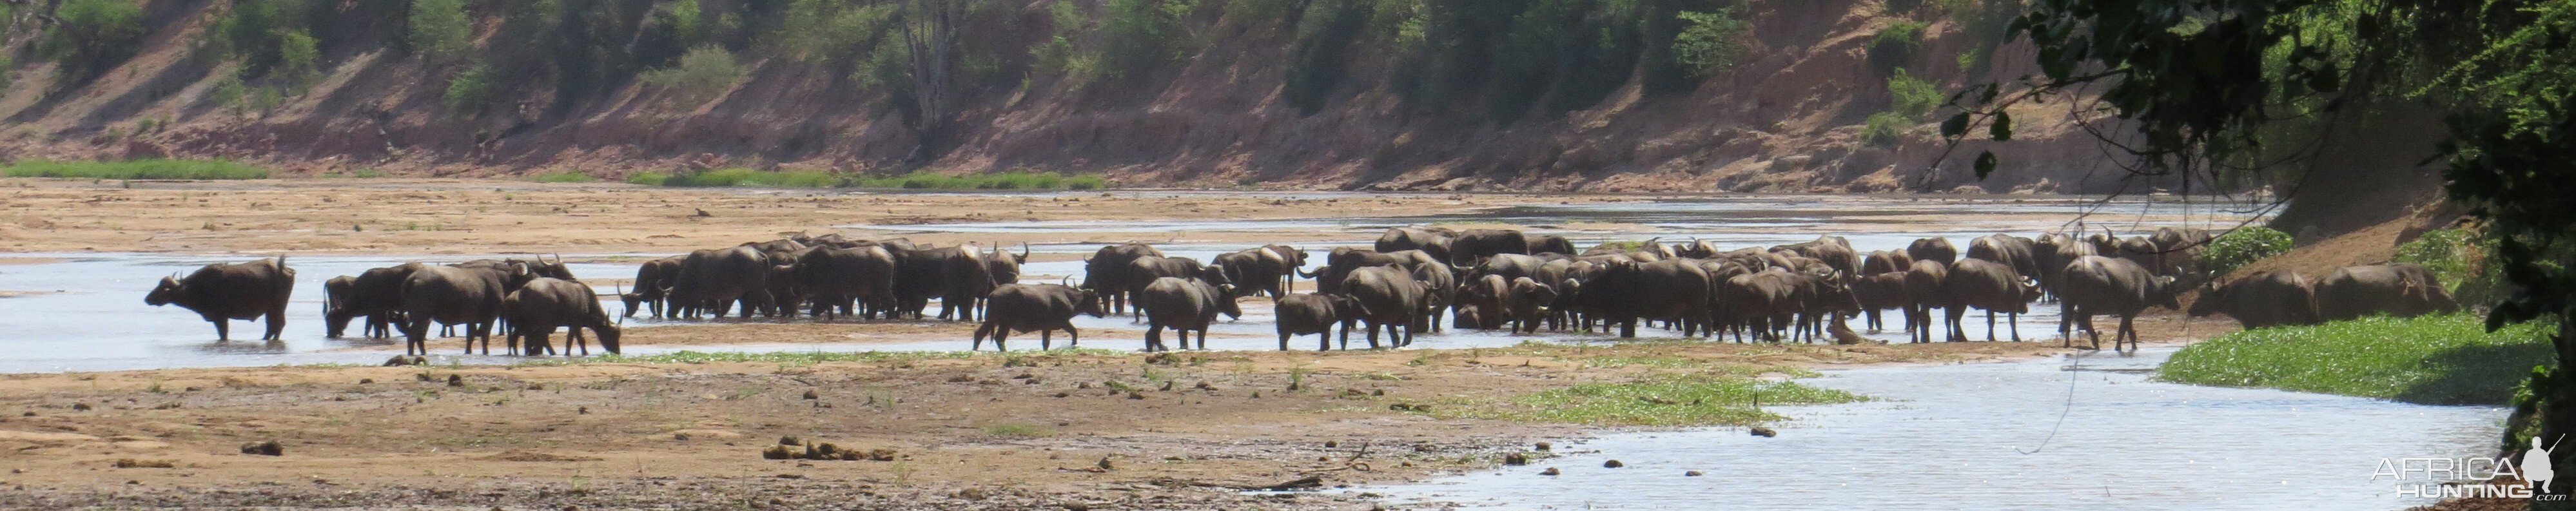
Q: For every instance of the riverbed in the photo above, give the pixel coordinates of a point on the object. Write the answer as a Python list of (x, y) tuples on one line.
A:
[(2092, 432)]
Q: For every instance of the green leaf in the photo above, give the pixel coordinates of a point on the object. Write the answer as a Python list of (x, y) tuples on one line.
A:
[(1956, 127), (2001, 128), (1985, 164)]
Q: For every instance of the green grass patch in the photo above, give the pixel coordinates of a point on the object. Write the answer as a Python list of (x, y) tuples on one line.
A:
[(136, 169), (2443, 359), (563, 177), (1721, 398), (913, 181)]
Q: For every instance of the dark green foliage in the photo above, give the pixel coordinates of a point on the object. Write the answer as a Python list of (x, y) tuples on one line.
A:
[(1319, 61), (439, 30), (471, 91), (1141, 36), (1710, 43), (95, 35), (1894, 46), (1884, 128), (2241, 246), (254, 32)]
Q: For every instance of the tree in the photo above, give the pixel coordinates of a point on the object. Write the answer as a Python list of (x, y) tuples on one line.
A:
[(930, 45), (2197, 83), (439, 31), (93, 36)]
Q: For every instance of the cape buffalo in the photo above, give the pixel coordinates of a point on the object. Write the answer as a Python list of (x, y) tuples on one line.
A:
[(1338, 266), (1881, 292), (1106, 271), (1924, 287), (375, 294), (2402, 289), (1524, 303), (1668, 290), (1764, 302), (1932, 249), (1257, 270), (1473, 245), (1432, 240), (1485, 293), (1309, 313), (832, 278), (719, 278), (2052, 252), (919, 274), (224, 292), (1885, 261), (2271, 298), (451, 295), (653, 282), (1183, 305), (2120, 287), (1550, 244), (2013, 252), (1041, 308), (1988, 285), (1388, 297), (1440, 286), (536, 308)]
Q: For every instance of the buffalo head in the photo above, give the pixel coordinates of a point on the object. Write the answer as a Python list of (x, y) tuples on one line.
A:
[(1089, 302), (607, 337), (2166, 293), (169, 291), (1225, 302)]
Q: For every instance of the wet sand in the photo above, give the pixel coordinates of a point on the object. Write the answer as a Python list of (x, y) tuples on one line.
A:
[(986, 431)]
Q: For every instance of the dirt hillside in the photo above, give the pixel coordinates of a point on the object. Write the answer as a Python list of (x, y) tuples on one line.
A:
[(1788, 116)]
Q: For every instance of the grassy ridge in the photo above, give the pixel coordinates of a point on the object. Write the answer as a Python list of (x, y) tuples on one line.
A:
[(136, 169), (913, 181), (2446, 359)]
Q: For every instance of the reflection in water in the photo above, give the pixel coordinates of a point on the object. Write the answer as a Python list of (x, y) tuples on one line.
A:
[(1954, 437)]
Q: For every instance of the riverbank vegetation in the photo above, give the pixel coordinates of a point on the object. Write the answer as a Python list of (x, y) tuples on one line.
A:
[(2440, 359), (135, 169), (1729, 396)]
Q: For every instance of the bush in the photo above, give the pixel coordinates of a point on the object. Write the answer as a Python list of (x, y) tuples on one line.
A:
[(136, 169), (563, 177), (1884, 129), (1893, 47), (1318, 61), (440, 32), (700, 75), (2447, 359), (2459, 258), (298, 57), (1709, 42), (2243, 245), (258, 32), (93, 37), (470, 91), (1912, 97), (1142, 35)]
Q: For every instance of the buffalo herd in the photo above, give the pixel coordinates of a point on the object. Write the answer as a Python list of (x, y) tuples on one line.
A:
[(1407, 284)]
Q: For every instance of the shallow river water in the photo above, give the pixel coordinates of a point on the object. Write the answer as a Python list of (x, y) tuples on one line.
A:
[(1979, 436)]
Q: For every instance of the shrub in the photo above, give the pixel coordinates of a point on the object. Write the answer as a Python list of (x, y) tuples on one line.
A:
[(563, 177), (470, 91), (1143, 35), (1912, 97), (298, 56), (1317, 62), (1884, 128), (257, 33), (1893, 47), (700, 75), (1709, 42), (2243, 245), (440, 32), (2459, 258), (93, 36), (136, 169)]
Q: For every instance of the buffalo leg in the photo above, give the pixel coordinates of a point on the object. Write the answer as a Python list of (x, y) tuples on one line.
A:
[(2012, 320), (223, 329), (1283, 340), (276, 324), (999, 335), (1072, 337), (1990, 325), (1153, 338), (981, 331)]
